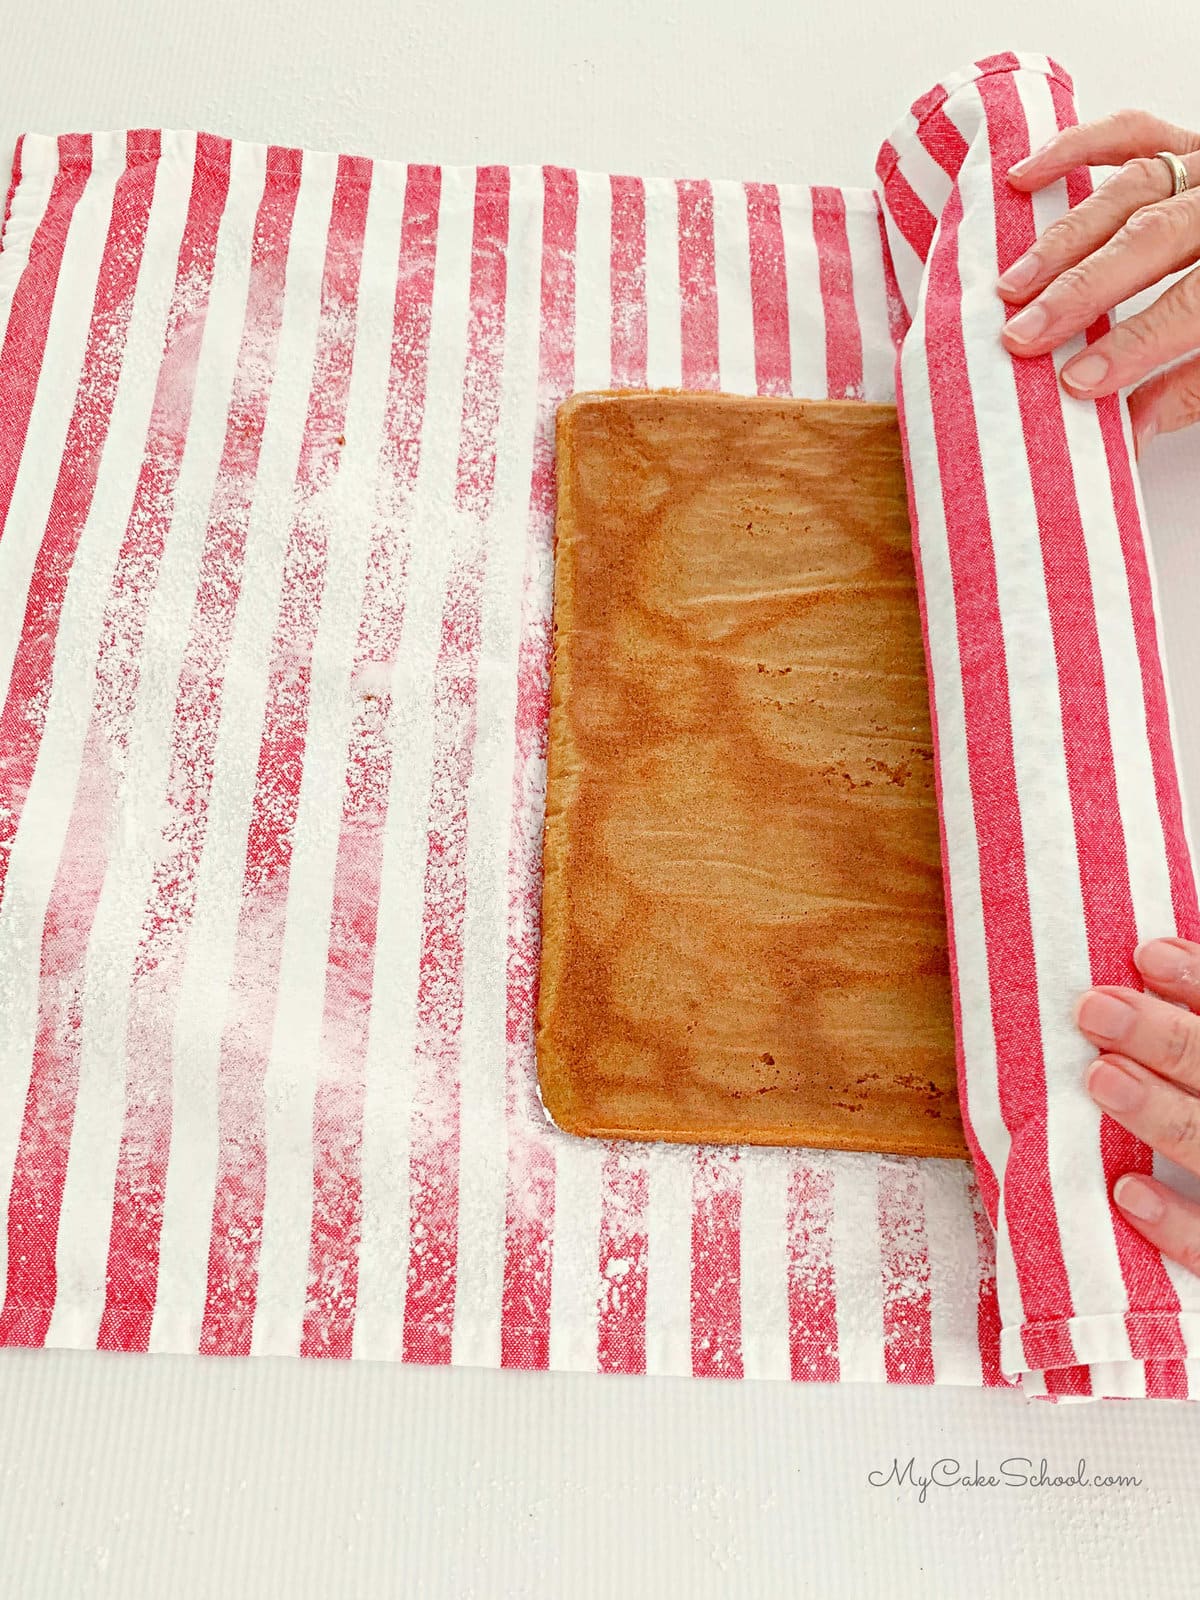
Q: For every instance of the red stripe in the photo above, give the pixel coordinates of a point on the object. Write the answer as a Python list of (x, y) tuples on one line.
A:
[(897, 311), (768, 291), (1047, 1345), (624, 1176), (13, 184), (931, 101), (41, 1163), (434, 1146), (29, 310), (627, 282), (986, 1198), (1109, 917), (909, 213), (843, 337), (170, 908), (943, 142), (91, 832), (1166, 1380), (20, 367), (529, 1183), (987, 1312), (983, 1168), (1030, 1209), (812, 1286), (1005, 61), (476, 475), (336, 1230), (716, 1265), (904, 1257), (1063, 1380), (624, 1260), (700, 363)]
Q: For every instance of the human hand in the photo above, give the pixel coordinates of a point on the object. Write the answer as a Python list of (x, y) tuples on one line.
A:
[(1147, 1078), (1123, 238)]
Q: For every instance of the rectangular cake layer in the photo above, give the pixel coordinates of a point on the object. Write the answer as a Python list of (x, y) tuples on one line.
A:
[(744, 936)]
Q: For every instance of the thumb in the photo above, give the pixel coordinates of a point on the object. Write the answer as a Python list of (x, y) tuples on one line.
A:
[(1168, 401)]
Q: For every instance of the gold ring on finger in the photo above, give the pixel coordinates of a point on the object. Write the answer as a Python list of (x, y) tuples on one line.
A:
[(1179, 177)]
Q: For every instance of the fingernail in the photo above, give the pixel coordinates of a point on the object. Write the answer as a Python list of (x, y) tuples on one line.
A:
[(1027, 161), (1085, 372), (1104, 1017), (1027, 324), (1161, 960), (1113, 1086), (1023, 270), (1138, 1198)]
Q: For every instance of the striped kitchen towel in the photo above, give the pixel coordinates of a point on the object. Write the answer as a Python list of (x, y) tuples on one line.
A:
[(277, 496), (1063, 832), (276, 515)]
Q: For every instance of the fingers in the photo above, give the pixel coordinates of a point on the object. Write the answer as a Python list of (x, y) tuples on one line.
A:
[(1171, 967), (1090, 224), (1164, 403), (1160, 1114), (1151, 1031), (1144, 1085), (1163, 1217), (1166, 330), (1106, 143), (1155, 241)]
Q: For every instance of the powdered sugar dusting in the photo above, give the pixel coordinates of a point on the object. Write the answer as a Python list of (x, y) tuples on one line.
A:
[(624, 1260), (529, 1182), (698, 287), (716, 1265), (433, 1175), (812, 1289), (627, 282), (434, 1143), (768, 291), (237, 1209), (650, 1238), (843, 335), (40, 1171), (907, 1335), (625, 1175)]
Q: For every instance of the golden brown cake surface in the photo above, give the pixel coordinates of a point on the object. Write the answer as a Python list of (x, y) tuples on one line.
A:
[(744, 934)]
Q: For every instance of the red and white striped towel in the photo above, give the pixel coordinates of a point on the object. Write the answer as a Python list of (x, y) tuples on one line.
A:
[(1063, 829), (276, 505)]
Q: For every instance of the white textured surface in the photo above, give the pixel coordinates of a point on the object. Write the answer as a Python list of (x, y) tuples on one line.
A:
[(131, 1477)]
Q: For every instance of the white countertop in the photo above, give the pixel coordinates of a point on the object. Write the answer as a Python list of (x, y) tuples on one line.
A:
[(164, 1476)]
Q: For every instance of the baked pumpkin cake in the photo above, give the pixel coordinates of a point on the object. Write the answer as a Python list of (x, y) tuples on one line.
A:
[(744, 935)]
